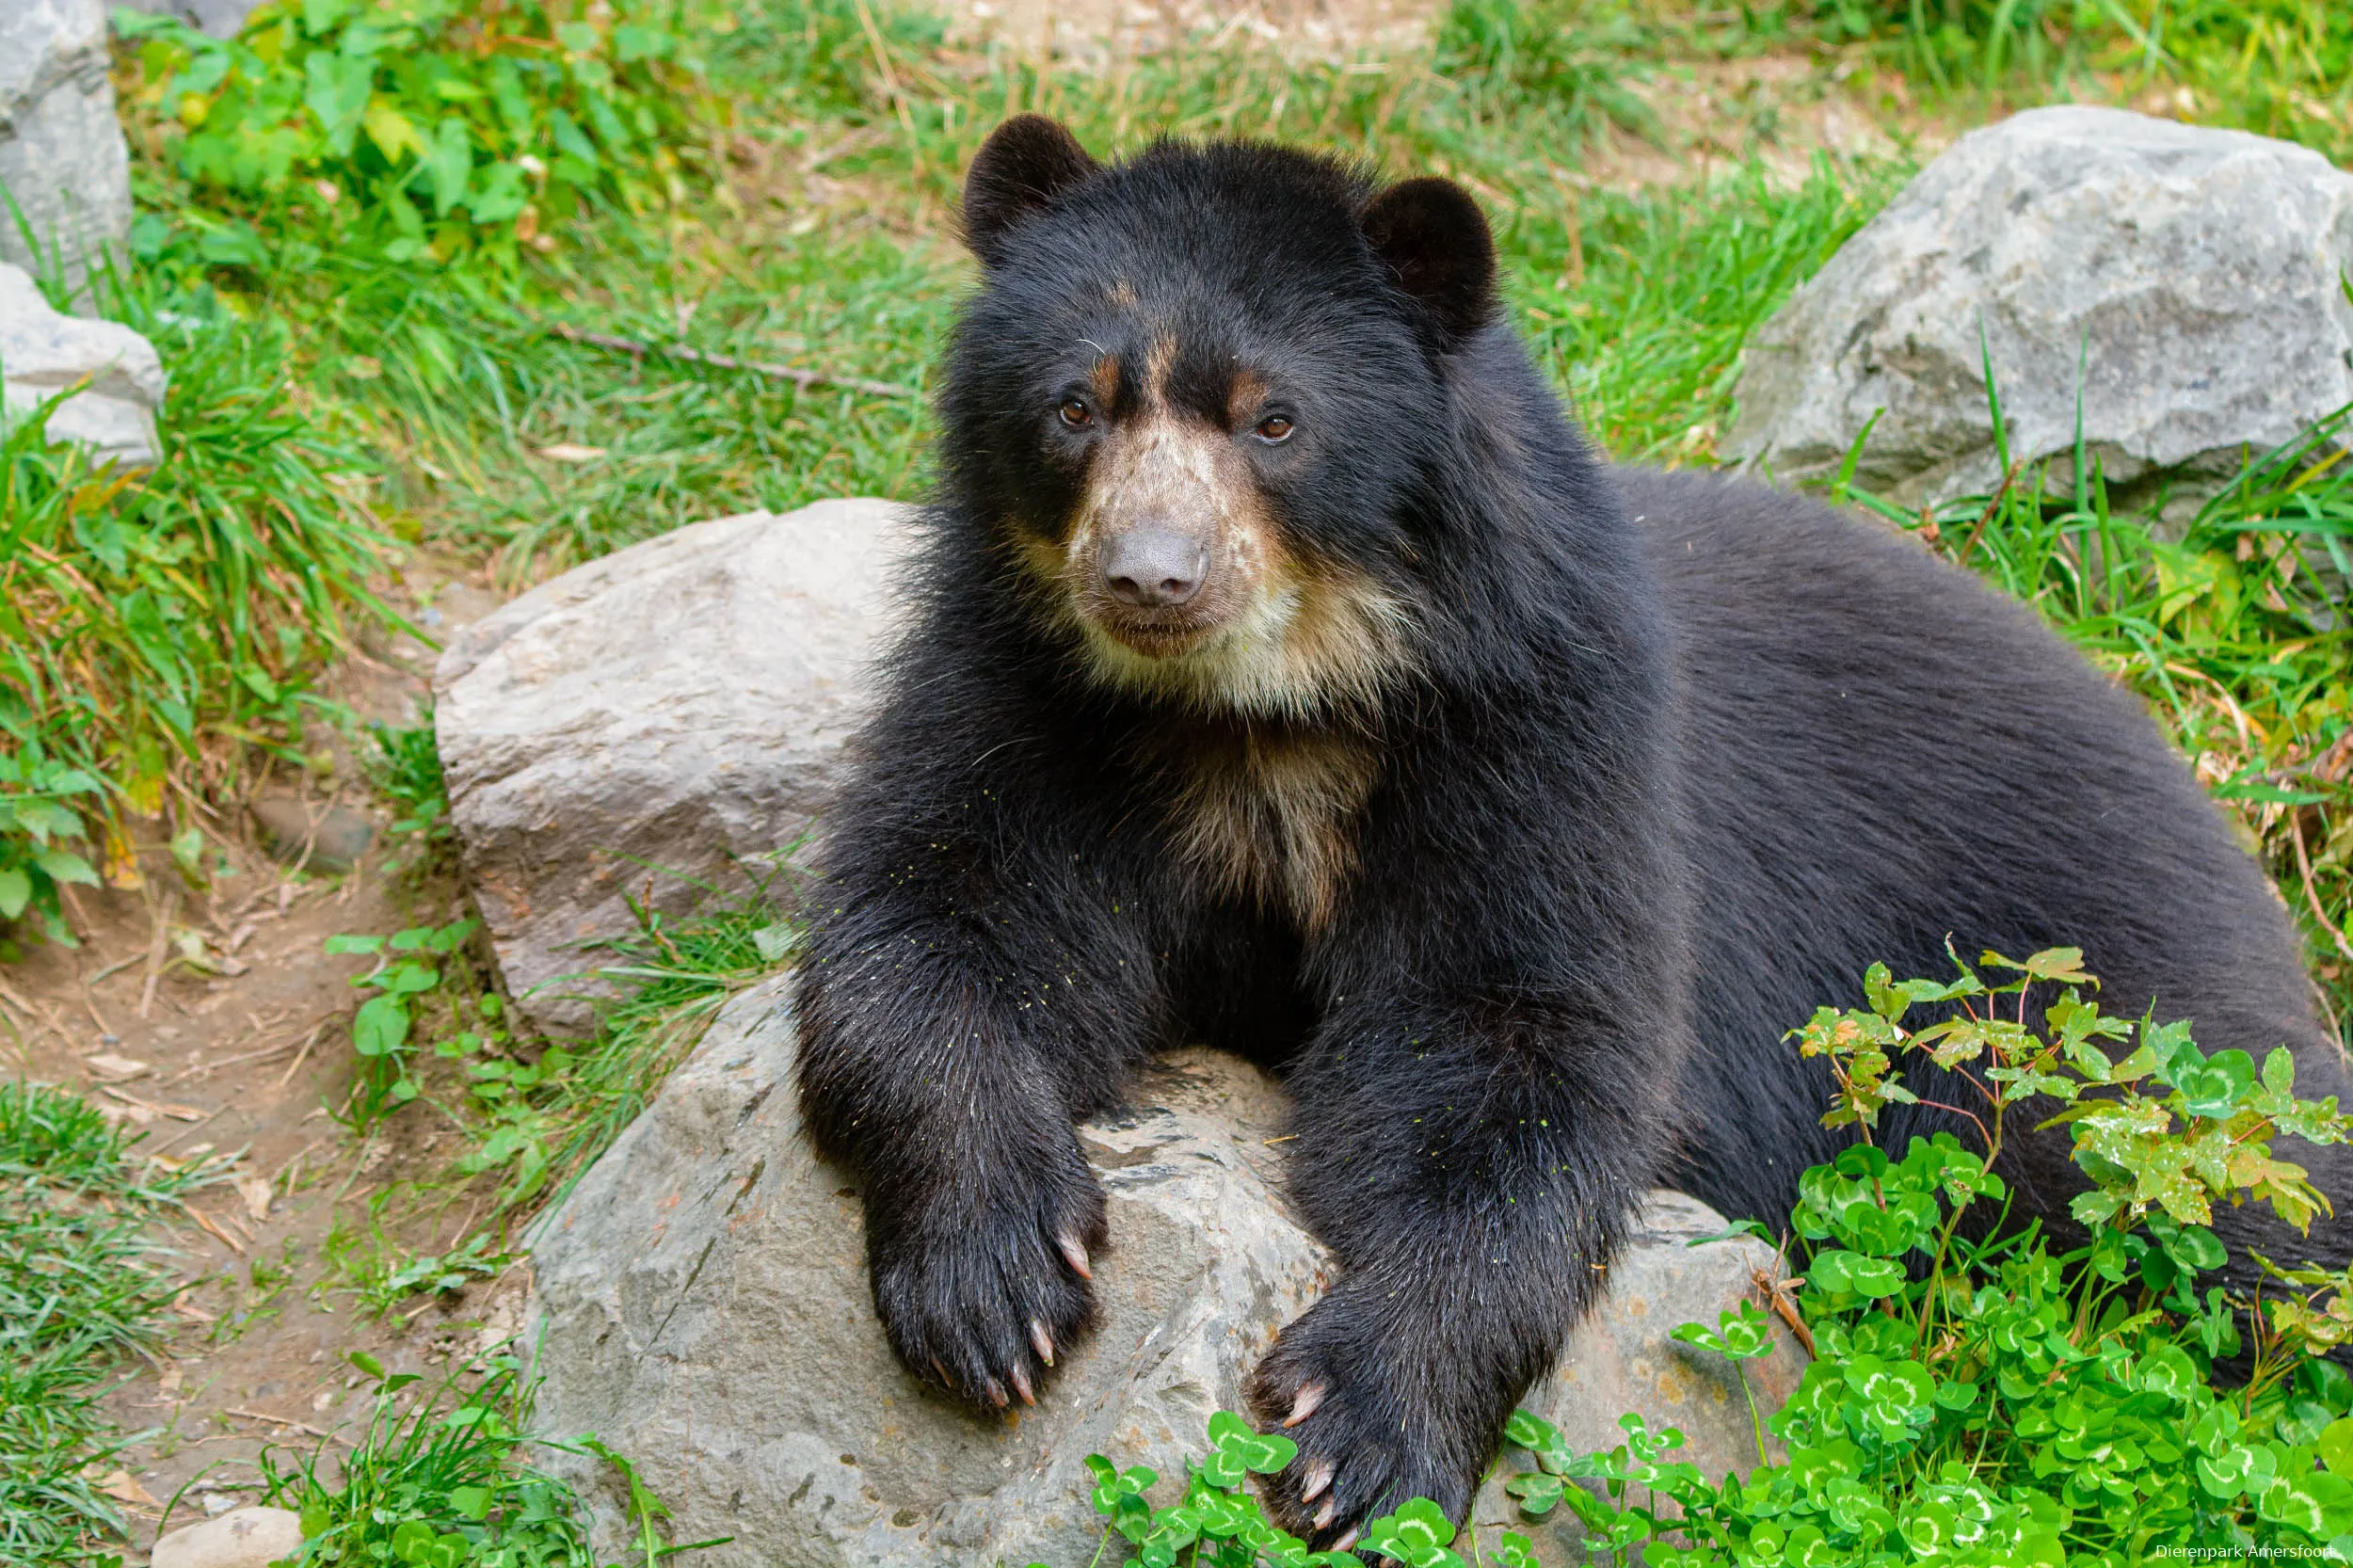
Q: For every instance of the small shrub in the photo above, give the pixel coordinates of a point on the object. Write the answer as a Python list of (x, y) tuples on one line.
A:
[(432, 128), (1976, 1397), (404, 969)]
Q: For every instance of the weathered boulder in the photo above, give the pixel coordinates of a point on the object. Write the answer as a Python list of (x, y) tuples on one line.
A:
[(44, 353), (649, 721), (2192, 274), (703, 1300), (62, 158)]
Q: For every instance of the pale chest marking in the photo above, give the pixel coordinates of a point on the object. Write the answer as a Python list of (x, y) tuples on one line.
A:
[(1272, 817)]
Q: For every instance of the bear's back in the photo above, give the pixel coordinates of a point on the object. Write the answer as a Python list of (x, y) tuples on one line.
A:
[(1878, 753)]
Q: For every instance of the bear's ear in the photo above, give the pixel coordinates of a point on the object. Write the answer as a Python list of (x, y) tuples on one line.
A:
[(1434, 240), (1023, 166)]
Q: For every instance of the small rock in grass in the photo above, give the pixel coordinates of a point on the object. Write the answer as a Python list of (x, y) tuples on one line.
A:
[(309, 836), (44, 352), (242, 1538)]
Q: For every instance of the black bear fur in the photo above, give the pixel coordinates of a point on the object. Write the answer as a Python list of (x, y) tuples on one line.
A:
[(1647, 767)]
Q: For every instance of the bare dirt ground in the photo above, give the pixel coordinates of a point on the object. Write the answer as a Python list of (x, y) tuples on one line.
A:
[(1099, 32), (214, 1023)]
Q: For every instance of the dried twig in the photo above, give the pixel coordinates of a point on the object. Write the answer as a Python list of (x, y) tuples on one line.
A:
[(1777, 1290), (177, 1112), (1992, 505), (113, 968), (277, 1421), (158, 1148), (308, 1041), (206, 1221), (804, 380), (157, 945), (283, 1045)]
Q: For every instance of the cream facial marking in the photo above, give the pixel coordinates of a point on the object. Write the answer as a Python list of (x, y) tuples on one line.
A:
[(1176, 575)]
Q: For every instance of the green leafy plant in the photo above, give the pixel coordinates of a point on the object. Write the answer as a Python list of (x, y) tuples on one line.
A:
[(35, 823), (1217, 1520), (404, 969), (405, 766), (433, 128), (1978, 1396), (442, 1479), (384, 1277)]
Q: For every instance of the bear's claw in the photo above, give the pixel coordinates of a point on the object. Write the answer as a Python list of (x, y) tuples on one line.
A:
[(984, 1304), (1368, 1439)]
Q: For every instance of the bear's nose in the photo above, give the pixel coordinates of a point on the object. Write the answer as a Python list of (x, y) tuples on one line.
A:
[(1153, 568)]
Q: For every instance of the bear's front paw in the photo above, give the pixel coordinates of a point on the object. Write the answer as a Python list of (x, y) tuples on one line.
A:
[(983, 1303), (1380, 1418)]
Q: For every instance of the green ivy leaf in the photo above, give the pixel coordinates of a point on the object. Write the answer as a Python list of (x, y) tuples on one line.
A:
[(16, 891), (379, 1028), (2336, 1447)]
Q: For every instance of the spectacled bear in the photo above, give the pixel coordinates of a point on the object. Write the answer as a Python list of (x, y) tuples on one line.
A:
[(1287, 673)]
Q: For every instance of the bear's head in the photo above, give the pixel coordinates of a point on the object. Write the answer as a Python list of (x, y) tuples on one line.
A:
[(1198, 400)]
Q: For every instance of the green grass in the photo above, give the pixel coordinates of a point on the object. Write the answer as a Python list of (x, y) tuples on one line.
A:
[(158, 634), (444, 1476), (80, 1288), (2284, 68)]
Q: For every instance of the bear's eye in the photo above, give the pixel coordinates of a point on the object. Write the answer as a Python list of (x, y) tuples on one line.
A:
[(1076, 414), (1274, 428)]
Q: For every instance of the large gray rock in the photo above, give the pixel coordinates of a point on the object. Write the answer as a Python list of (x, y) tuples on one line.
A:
[(62, 158), (44, 353), (703, 1298), (2193, 273), (647, 721)]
